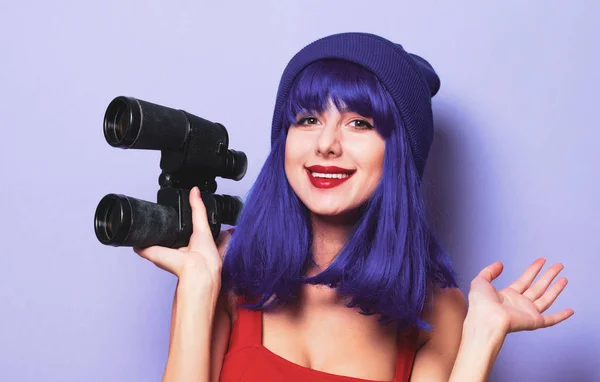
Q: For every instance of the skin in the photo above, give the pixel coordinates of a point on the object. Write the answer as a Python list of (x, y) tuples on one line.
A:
[(345, 140), (313, 333)]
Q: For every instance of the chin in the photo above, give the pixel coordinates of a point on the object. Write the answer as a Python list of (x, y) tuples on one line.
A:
[(332, 210), (326, 211)]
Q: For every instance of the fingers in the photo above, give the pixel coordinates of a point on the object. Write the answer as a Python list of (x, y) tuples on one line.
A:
[(542, 296), (201, 241), (555, 318), (492, 271), (548, 298), (201, 228), (523, 282), (161, 258), (540, 286)]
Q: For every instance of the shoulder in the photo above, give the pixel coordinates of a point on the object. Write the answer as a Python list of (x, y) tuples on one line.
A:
[(437, 349), (444, 307), (443, 302)]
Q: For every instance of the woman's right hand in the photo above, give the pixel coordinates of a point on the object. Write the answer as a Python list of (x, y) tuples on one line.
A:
[(201, 259)]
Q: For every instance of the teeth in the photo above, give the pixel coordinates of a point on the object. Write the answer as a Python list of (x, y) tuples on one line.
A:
[(329, 176)]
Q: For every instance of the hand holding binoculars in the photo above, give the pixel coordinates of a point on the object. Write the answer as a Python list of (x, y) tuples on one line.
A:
[(194, 151)]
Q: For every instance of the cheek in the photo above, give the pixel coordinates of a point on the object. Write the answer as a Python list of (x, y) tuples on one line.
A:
[(289, 155), (370, 156), (378, 160), (375, 171), (294, 150)]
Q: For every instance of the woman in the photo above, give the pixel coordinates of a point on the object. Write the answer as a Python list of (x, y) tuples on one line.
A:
[(333, 273)]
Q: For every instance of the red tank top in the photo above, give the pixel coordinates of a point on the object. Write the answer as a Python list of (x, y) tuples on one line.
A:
[(247, 360)]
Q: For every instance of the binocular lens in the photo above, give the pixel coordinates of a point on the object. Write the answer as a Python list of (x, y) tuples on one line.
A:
[(119, 129), (122, 122), (112, 220)]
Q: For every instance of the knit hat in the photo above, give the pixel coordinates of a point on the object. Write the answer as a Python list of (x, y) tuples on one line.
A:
[(409, 79)]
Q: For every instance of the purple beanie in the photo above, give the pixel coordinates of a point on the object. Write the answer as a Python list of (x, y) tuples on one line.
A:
[(409, 79)]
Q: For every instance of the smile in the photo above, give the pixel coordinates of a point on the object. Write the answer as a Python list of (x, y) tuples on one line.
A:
[(328, 176)]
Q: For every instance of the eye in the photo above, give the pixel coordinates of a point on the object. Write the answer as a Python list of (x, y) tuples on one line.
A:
[(361, 124), (307, 121)]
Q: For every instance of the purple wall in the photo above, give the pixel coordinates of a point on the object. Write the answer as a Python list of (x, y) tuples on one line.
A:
[(513, 171)]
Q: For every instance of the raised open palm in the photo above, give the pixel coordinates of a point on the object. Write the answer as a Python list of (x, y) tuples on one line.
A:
[(520, 305)]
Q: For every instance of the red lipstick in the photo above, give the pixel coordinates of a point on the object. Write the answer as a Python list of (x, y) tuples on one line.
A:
[(320, 179)]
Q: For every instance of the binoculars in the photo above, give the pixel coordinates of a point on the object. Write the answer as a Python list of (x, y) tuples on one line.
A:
[(194, 151)]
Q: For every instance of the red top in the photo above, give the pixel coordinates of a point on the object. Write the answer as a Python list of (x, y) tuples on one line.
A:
[(247, 360)]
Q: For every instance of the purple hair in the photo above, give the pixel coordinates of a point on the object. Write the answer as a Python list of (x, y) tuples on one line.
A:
[(392, 258)]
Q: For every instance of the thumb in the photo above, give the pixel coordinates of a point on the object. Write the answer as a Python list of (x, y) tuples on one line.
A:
[(490, 272), (201, 233)]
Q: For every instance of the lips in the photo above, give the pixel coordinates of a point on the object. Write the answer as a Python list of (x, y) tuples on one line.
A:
[(328, 176)]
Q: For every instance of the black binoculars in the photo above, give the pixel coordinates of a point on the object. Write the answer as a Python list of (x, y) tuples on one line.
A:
[(194, 152)]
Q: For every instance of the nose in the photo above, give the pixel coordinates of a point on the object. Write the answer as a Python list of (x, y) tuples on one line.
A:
[(328, 142)]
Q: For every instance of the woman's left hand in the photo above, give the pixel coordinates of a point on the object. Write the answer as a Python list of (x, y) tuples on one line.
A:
[(519, 306)]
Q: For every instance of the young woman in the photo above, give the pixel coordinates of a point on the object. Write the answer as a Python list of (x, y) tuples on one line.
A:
[(333, 273)]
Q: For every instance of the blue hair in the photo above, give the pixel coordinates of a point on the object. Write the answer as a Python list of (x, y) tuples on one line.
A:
[(392, 259)]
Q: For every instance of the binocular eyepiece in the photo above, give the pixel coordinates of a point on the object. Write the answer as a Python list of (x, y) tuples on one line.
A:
[(194, 151)]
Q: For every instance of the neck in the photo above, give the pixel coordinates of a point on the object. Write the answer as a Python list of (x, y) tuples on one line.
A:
[(330, 233)]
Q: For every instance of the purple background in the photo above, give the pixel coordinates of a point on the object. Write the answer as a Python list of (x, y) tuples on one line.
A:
[(512, 176)]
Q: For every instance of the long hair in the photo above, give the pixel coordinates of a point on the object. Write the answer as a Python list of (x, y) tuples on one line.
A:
[(392, 258)]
